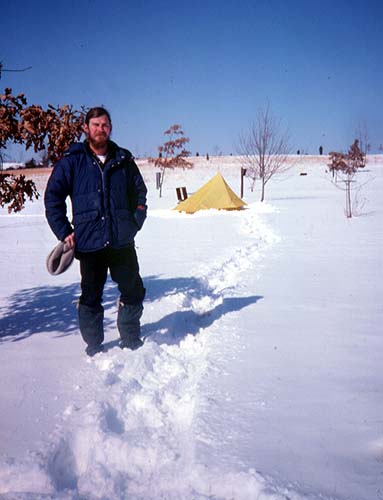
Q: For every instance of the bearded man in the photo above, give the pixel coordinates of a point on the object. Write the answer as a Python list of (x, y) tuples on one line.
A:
[(108, 197)]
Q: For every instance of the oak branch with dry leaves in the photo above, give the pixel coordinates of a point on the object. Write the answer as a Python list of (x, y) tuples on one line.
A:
[(15, 190), (172, 154), (344, 167), (51, 130)]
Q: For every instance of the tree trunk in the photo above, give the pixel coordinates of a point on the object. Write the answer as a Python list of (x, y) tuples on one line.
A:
[(348, 199), (263, 190), (162, 181)]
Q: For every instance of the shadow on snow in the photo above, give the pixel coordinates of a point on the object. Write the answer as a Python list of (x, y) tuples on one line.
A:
[(40, 309), (171, 329), (52, 309)]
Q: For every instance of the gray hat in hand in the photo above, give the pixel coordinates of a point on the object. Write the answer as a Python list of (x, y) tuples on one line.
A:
[(60, 258)]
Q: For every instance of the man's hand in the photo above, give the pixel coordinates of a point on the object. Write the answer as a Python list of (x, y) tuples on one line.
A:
[(140, 215), (69, 240)]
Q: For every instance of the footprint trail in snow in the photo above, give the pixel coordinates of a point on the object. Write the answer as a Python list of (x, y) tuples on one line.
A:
[(131, 434)]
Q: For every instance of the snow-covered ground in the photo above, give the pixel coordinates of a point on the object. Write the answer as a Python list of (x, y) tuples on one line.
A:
[(11, 165), (260, 376)]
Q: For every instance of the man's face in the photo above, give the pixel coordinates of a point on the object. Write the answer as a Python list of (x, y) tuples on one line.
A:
[(98, 131)]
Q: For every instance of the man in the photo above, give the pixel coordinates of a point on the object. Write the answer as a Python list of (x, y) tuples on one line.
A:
[(108, 198)]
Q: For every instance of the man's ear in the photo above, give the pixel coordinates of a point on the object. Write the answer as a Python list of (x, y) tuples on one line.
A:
[(85, 128)]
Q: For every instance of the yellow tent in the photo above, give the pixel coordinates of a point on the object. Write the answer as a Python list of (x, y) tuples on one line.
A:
[(216, 193)]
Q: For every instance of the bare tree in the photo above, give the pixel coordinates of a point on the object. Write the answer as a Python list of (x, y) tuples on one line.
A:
[(172, 153), (217, 150), (346, 167), (363, 139), (264, 149)]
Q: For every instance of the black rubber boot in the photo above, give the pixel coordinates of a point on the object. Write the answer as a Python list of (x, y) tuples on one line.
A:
[(128, 323), (91, 322)]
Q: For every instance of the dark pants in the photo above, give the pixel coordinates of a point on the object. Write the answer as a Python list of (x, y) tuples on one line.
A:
[(124, 270)]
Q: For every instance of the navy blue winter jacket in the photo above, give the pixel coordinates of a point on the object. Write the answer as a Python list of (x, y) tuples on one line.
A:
[(104, 199)]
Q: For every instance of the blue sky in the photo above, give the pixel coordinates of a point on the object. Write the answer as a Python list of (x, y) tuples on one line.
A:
[(208, 65)]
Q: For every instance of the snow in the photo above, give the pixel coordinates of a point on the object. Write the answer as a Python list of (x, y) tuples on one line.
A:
[(260, 376), (11, 165)]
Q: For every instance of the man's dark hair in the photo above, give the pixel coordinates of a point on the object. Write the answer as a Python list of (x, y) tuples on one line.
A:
[(96, 112)]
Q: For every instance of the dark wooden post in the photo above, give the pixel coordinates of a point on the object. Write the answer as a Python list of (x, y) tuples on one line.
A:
[(243, 173), (158, 180)]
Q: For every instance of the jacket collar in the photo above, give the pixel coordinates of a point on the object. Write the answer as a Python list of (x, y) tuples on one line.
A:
[(114, 151)]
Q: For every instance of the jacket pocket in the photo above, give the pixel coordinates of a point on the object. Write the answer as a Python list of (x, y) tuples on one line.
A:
[(126, 226), (87, 230)]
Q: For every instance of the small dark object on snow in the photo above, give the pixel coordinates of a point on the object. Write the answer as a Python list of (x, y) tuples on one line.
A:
[(181, 193)]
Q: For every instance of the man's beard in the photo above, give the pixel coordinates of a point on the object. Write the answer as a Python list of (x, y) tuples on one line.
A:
[(98, 141)]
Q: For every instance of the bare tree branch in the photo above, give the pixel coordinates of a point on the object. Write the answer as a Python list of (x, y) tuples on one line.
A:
[(2, 69), (264, 149)]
